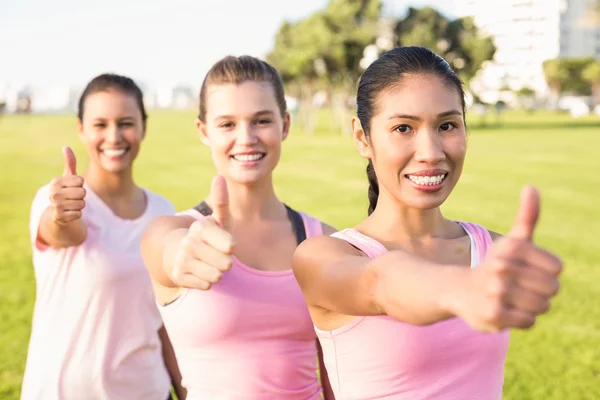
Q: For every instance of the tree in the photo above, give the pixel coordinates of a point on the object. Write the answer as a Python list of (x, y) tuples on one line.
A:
[(459, 41), (526, 96), (555, 75), (323, 51), (591, 74)]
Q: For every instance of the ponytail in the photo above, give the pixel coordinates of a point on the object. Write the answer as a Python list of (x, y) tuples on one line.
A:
[(373, 187)]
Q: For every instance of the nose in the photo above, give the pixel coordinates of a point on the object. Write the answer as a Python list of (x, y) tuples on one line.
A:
[(113, 133), (429, 147), (246, 134)]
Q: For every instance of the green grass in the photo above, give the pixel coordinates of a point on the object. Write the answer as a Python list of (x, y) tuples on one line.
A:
[(323, 175)]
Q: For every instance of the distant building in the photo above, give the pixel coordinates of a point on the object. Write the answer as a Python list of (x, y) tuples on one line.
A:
[(526, 33)]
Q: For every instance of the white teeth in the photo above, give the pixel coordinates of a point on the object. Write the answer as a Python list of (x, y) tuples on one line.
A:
[(114, 152), (248, 157), (427, 180)]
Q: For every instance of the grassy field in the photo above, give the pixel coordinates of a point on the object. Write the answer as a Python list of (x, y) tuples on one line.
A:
[(323, 175)]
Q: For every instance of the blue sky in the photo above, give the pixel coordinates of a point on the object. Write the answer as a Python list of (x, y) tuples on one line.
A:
[(163, 42)]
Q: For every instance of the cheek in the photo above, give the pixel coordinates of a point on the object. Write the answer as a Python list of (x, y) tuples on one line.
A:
[(134, 136), (456, 148)]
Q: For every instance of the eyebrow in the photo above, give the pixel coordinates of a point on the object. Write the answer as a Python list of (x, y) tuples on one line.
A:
[(256, 114), (100, 119), (415, 118)]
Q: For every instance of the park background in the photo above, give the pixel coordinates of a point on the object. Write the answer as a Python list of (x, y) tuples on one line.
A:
[(533, 78)]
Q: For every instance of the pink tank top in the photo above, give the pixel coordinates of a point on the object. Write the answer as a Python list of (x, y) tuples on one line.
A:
[(249, 337), (378, 357)]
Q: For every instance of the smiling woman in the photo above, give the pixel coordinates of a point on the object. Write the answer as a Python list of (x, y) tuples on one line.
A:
[(96, 330), (222, 270), (401, 301)]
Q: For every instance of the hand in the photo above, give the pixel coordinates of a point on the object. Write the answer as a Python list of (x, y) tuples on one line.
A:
[(67, 193), (207, 250), (517, 279)]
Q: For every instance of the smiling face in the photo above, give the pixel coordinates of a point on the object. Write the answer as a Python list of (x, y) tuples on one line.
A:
[(417, 141), (244, 129), (112, 129)]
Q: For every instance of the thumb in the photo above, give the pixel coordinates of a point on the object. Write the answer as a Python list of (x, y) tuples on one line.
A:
[(70, 161), (528, 214), (219, 198)]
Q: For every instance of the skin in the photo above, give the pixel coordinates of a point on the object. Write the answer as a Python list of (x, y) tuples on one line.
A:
[(424, 277), (112, 130), (183, 253)]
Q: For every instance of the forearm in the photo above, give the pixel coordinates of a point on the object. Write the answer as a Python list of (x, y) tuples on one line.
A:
[(414, 290), (172, 244), (171, 364), (57, 235)]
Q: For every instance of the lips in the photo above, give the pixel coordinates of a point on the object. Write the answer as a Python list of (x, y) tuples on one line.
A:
[(248, 157), (114, 153), (427, 180)]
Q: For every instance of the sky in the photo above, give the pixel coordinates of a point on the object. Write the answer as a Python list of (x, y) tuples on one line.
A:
[(161, 42)]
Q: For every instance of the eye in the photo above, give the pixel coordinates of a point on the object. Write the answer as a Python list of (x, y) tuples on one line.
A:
[(226, 125), (127, 124), (403, 129), (99, 125), (263, 121), (448, 126)]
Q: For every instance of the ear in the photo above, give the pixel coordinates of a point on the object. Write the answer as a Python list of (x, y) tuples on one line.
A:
[(201, 128), (144, 125), (360, 139), (286, 126)]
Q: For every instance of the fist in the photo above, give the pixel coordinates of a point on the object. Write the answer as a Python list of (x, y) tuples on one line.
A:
[(206, 253), (517, 279), (67, 193)]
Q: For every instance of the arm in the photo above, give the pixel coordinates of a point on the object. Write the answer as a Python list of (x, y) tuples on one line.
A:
[(55, 234), (325, 384), (160, 242), (341, 279), (171, 364), (60, 224)]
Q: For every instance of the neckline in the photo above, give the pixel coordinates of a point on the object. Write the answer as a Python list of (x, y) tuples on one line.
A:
[(238, 263), (110, 211), (381, 247)]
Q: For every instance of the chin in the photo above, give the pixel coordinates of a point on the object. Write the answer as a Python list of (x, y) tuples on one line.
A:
[(114, 167)]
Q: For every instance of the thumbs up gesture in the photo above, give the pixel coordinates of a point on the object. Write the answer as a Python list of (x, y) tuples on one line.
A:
[(67, 192), (517, 279), (207, 250)]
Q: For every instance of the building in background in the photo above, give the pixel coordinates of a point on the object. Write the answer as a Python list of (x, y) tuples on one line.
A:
[(526, 33)]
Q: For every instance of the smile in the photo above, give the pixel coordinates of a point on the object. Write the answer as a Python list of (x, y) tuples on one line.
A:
[(248, 157), (427, 180)]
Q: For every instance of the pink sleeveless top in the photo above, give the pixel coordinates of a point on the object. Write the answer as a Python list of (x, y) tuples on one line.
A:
[(378, 357), (249, 337)]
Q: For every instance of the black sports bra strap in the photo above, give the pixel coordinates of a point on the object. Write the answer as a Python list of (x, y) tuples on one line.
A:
[(293, 215), (297, 224)]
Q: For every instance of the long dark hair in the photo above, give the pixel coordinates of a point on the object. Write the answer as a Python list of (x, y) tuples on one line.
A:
[(386, 72)]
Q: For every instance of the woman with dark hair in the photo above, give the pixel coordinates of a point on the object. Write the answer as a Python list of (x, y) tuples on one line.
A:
[(97, 332), (409, 304)]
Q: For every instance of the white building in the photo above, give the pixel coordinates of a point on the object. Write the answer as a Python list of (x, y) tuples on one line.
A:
[(526, 33)]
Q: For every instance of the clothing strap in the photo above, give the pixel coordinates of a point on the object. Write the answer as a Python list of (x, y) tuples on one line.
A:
[(293, 215)]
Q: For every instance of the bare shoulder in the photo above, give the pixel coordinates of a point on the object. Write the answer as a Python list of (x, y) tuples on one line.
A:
[(495, 236), (320, 250), (328, 229)]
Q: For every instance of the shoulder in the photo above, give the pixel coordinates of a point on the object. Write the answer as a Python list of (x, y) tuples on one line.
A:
[(317, 225), (322, 248), (495, 235), (160, 204)]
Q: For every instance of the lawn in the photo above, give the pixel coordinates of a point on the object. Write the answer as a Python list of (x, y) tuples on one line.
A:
[(322, 174)]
